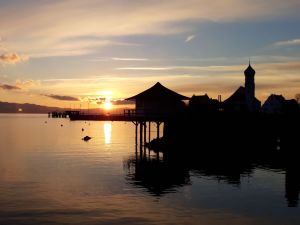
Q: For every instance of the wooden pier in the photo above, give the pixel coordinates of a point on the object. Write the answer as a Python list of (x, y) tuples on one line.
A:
[(141, 121), (63, 114)]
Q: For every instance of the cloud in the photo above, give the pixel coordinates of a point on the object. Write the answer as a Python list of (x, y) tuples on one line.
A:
[(75, 47), (27, 84), (122, 102), (129, 59), (287, 43), (103, 100), (108, 59), (12, 58), (34, 22), (62, 97), (9, 87), (189, 38), (233, 68), (144, 68)]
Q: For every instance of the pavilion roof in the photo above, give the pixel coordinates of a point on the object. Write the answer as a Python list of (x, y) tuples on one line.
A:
[(158, 92)]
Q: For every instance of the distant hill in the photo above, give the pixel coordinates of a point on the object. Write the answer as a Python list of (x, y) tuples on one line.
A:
[(6, 107)]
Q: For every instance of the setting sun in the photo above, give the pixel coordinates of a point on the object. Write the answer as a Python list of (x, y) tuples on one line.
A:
[(107, 105)]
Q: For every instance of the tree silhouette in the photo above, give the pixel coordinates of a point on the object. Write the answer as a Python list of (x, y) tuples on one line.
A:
[(297, 97)]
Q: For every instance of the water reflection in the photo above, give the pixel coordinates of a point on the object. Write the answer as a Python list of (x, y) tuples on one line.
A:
[(107, 132), (292, 186), (158, 177), (167, 174)]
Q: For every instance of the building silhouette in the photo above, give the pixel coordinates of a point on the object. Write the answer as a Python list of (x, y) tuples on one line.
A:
[(277, 104), (158, 100), (243, 99), (203, 104)]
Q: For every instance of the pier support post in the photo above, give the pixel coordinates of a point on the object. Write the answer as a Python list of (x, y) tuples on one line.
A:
[(157, 126), (149, 131), (136, 132), (141, 134), (145, 132)]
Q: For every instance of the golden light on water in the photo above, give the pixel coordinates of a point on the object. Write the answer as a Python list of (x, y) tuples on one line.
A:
[(107, 132)]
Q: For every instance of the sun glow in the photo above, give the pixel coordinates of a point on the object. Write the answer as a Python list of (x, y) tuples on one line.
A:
[(107, 105)]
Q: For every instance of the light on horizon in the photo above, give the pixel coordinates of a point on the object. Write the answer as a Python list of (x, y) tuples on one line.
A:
[(107, 104)]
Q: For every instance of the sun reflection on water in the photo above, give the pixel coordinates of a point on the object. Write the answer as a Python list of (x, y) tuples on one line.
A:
[(107, 132)]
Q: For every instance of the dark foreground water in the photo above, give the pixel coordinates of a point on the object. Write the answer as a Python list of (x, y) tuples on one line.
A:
[(48, 175)]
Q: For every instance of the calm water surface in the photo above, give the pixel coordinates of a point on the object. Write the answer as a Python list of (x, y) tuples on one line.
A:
[(48, 175)]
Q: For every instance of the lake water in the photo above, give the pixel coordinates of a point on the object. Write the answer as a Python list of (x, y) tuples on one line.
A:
[(49, 175)]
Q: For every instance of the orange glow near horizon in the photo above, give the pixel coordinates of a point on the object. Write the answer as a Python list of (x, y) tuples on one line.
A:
[(107, 105)]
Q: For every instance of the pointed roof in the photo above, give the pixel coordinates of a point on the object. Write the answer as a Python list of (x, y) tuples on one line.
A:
[(157, 92), (249, 71)]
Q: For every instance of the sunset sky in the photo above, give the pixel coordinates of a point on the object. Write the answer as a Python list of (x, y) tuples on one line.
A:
[(64, 52)]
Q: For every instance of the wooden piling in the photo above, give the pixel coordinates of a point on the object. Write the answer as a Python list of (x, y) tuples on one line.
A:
[(136, 132), (149, 135), (141, 133), (145, 132), (157, 126)]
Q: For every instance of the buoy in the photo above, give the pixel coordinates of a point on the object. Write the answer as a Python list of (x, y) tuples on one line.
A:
[(86, 138)]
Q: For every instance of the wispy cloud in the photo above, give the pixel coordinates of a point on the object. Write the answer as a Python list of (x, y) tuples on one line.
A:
[(129, 59), (189, 38), (8, 87), (292, 42), (122, 102), (34, 23), (232, 68), (144, 68), (62, 97), (12, 58), (74, 47), (26, 84)]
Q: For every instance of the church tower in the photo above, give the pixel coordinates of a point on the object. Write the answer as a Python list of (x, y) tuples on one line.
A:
[(250, 87)]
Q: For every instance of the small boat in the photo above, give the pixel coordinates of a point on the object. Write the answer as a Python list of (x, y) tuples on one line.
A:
[(86, 138)]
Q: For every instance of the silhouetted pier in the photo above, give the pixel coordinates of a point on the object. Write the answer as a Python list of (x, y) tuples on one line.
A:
[(64, 114), (209, 122), (141, 121)]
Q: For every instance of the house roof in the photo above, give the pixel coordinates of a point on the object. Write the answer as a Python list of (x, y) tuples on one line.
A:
[(239, 96), (200, 99), (278, 98), (158, 92)]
